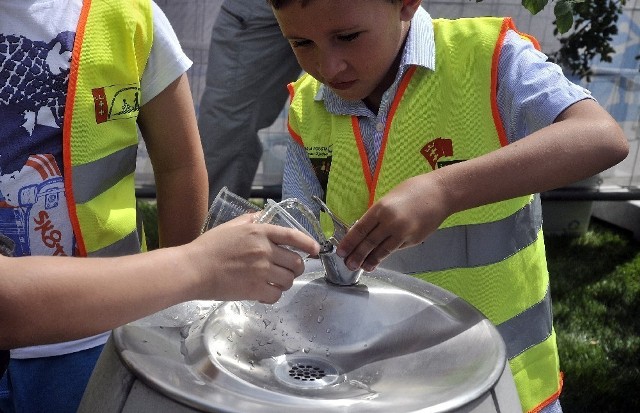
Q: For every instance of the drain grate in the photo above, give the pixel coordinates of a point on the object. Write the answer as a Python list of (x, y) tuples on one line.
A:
[(307, 372)]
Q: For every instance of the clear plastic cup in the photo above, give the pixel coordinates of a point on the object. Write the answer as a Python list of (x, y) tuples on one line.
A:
[(227, 206), (275, 213)]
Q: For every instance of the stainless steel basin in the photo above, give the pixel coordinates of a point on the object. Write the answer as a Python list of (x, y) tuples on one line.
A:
[(389, 343)]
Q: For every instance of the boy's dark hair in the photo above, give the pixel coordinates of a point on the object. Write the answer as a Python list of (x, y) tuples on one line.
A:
[(277, 4)]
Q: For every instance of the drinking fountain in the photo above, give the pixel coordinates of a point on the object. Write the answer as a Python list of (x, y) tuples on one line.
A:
[(374, 342)]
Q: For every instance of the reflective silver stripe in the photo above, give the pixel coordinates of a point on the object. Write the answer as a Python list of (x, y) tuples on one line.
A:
[(128, 245), (528, 328), (93, 178), (468, 246)]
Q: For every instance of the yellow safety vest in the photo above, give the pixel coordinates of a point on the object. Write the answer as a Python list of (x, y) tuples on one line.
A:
[(112, 44), (492, 256)]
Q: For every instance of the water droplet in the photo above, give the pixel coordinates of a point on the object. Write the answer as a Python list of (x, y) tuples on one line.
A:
[(306, 350), (289, 350), (320, 318)]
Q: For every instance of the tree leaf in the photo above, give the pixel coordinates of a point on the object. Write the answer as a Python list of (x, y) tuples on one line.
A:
[(563, 11), (534, 6)]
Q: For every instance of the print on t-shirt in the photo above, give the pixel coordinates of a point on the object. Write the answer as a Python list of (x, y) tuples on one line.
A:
[(33, 85)]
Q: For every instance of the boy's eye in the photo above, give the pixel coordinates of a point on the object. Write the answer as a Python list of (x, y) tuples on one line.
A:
[(349, 37), (299, 43)]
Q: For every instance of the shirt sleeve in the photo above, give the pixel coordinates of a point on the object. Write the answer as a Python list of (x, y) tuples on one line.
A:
[(532, 91), (167, 61), (299, 180)]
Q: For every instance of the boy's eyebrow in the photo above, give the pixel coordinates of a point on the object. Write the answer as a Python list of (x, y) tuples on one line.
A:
[(293, 37), (346, 29), (332, 33)]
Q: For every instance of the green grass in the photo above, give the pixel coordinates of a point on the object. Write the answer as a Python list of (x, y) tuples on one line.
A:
[(595, 285), (150, 222)]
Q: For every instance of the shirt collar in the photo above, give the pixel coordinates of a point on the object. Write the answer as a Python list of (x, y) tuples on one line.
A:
[(419, 50)]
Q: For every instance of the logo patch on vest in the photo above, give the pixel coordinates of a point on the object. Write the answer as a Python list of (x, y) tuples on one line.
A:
[(116, 102), (320, 157), (436, 149)]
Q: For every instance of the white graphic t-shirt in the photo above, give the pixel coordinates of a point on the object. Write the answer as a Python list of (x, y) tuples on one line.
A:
[(36, 41)]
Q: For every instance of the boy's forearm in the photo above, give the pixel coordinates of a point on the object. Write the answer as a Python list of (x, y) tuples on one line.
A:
[(574, 148), (77, 298)]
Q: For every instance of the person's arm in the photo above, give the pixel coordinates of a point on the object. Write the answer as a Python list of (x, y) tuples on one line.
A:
[(53, 299), (168, 125), (583, 141)]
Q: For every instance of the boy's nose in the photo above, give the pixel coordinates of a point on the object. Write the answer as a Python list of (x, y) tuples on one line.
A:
[(330, 65)]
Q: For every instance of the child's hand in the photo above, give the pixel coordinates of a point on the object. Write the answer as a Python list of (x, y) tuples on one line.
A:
[(242, 260), (402, 218)]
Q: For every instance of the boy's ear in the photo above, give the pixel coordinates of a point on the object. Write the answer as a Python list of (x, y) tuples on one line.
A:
[(409, 8)]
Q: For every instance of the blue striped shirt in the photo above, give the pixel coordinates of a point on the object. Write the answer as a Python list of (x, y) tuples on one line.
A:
[(531, 94)]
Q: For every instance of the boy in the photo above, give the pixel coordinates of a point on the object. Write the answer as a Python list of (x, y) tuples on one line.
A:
[(77, 79), (433, 135)]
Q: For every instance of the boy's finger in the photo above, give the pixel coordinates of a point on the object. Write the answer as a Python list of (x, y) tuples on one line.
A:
[(240, 219), (270, 293), (354, 237), (369, 243), (283, 277), (357, 258), (292, 238), (288, 264), (382, 251)]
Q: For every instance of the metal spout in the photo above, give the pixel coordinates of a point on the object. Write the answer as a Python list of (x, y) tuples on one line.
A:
[(335, 270), (340, 229)]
